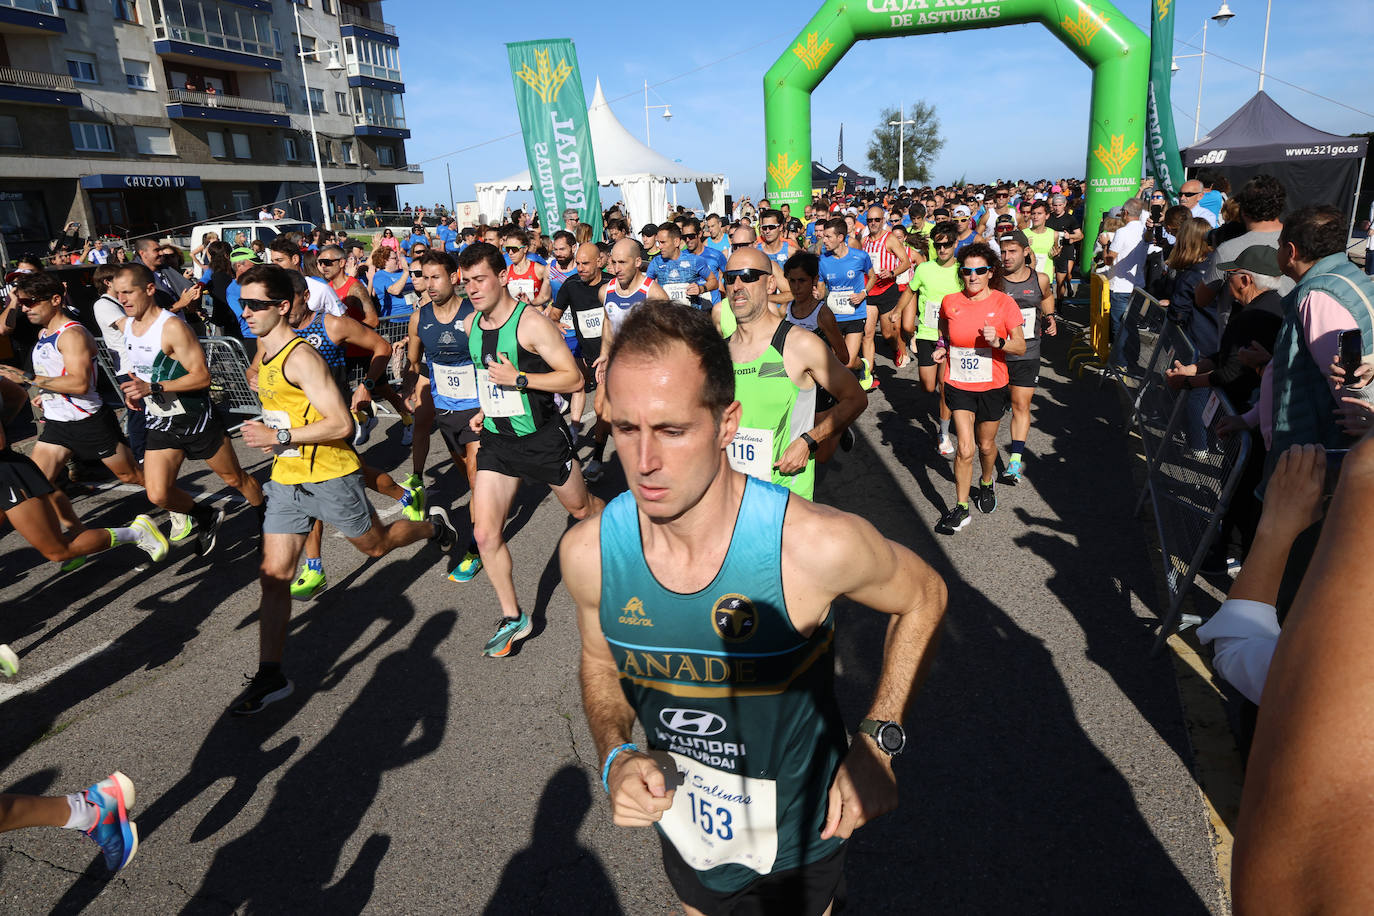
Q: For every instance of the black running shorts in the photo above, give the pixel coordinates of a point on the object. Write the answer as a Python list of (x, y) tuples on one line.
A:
[(454, 426), (197, 446), (925, 352), (20, 480), (544, 456), (803, 891), (851, 326), (1024, 372), (986, 406), (887, 300), (92, 438)]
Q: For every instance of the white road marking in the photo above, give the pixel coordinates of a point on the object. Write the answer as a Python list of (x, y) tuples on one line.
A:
[(9, 692)]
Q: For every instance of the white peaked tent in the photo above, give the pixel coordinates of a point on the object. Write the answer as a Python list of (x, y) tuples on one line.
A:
[(623, 162)]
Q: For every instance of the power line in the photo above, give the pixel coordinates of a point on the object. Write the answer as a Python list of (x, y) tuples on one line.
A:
[(1269, 75)]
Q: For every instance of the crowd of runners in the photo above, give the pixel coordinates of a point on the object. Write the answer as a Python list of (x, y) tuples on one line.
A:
[(726, 361)]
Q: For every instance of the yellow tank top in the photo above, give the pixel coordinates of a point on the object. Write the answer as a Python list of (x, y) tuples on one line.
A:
[(284, 406)]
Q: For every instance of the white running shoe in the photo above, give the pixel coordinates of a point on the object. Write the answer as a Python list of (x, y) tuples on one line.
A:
[(946, 445), (150, 539), (181, 528), (9, 662)]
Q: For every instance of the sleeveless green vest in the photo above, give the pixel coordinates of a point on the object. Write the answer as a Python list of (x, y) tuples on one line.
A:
[(1303, 404)]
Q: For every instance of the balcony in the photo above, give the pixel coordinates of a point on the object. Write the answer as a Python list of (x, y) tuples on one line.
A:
[(34, 17), (186, 105), (37, 88), (373, 76), (349, 17), (201, 32), (380, 125)]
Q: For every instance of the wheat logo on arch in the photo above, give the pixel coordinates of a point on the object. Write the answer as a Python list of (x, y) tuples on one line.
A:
[(545, 80), (1089, 23), (1118, 157), (811, 54), (783, 171)]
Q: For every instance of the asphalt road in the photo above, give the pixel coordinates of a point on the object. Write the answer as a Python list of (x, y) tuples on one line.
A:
[(1048, 769)]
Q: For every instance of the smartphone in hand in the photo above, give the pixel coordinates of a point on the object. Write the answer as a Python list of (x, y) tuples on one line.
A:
[(1350, 351)]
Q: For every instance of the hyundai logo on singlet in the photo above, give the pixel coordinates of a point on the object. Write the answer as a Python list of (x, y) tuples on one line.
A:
[(692, 721)]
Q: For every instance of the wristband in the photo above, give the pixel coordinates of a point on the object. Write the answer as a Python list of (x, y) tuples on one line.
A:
[(811, 444), (610, 758)]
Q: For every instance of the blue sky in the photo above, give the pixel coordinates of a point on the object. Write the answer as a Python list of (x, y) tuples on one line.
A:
[(1011, 100)]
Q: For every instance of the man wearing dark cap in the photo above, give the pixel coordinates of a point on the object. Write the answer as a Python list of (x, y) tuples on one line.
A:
[(1252, 281)]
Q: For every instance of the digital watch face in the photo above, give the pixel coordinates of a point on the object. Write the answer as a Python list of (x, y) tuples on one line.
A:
[(891, 739)]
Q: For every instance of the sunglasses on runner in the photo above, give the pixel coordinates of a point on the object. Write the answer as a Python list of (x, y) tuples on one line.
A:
[(734, 245), (945, 244), (691, 235), (261, 305), (327, 261), (513, 247), (769, 227), (974, 271), (747, 274), (417, 273), (25, 303)]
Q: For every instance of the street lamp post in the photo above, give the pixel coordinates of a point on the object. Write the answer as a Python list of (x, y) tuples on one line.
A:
[(332, 67), (1221, 17), (667, 112), (901, 124)]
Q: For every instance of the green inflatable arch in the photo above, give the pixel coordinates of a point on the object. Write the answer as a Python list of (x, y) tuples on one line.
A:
[(1101, 37)]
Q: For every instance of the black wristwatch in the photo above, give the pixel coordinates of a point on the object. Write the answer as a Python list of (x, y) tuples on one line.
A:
[(522, 381), (811, 444), (284, 436), (155, 387), (889, 736), (369, 383)]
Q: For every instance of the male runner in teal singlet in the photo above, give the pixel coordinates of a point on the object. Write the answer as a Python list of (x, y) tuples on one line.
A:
[(704, 600)]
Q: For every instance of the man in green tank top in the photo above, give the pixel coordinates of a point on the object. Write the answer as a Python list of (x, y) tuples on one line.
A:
[(704, 603), (777, 375), (521, 362)]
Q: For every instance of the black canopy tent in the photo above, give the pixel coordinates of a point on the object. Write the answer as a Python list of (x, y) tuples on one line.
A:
[(1261, 137)]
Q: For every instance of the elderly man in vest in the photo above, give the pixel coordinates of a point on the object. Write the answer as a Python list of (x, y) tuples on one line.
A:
[(1297, 403)]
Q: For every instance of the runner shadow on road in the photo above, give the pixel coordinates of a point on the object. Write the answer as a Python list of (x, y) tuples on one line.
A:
[(287, 862), (555, 872), (1007, 804)]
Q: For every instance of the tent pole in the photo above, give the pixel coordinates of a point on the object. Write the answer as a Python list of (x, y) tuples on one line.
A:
[(1350, 230)]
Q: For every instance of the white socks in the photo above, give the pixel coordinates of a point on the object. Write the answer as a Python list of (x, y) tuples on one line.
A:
[(84, 814)]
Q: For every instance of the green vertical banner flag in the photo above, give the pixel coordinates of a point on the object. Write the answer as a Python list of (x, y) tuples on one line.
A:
[(558, 140), (1163, 161)]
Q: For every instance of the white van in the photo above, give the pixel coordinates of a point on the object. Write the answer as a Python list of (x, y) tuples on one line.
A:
[(266, 230)]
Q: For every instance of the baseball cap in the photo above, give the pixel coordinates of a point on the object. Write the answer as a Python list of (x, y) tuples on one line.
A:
[(1257, 259), (960, 210), (1115, 212), (1015, 235), (242, 254)]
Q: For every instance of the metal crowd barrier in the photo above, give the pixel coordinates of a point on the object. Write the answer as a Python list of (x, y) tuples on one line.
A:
[(229, 363), (1191, 472)]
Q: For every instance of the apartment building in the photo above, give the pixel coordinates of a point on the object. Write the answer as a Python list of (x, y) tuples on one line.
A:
[(145, 116)]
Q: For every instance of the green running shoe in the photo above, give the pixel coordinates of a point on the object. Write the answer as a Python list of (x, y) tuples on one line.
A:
[(9, 662), (73, 564), (150, 539), (467, 569), (309, 583), (181, 527), (413, 502), (509, 631)]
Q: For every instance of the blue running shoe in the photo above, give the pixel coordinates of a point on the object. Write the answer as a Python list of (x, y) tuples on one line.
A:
[(467, 568), (509, 631), (113, 831), (1014, 473)]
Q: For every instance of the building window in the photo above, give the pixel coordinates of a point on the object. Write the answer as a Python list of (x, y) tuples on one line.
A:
[(82, 67), (317, 101), (242, 148), (9, 132), (288, 145), (341, 102), (305, 44), (125, 10), (76, 6), (276, 41), (216, 141), (217, 25), (92, 137), (347, 147), (384, 109), (136, 74), (281, 93), (372, 58), (154, 141), (327, 6), (243, 201), (386, 155)]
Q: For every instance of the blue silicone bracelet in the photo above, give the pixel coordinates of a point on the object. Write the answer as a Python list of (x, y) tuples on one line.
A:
[(610, 758)]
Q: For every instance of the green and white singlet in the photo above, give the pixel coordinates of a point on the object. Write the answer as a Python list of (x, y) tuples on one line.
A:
[(775, 413)]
